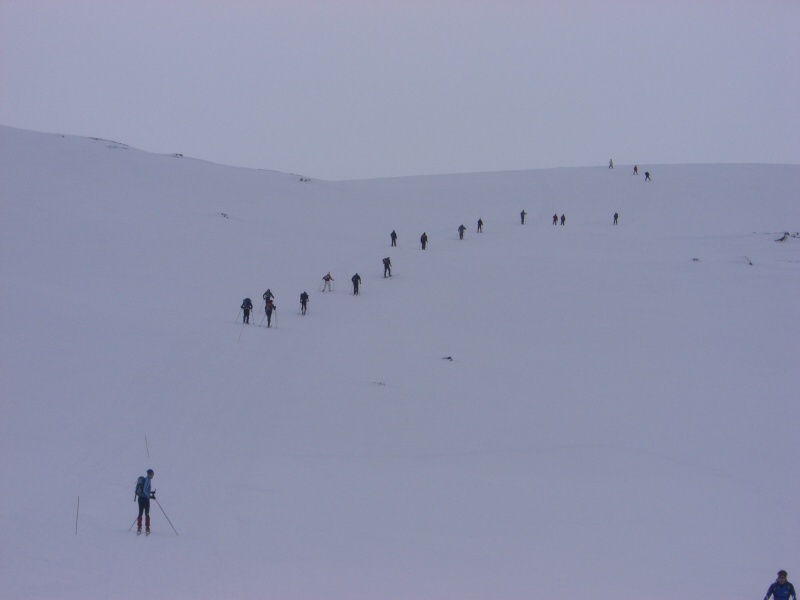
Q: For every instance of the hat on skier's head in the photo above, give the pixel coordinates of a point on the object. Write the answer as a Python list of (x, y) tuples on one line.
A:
[(151, 472)]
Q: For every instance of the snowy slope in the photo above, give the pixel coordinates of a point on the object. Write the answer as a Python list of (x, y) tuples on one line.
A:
[(619, 417)]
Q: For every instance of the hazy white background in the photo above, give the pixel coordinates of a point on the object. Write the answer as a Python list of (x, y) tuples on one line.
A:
[(355, 89)]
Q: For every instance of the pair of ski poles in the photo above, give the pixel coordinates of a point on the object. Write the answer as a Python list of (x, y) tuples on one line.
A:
[(165, 514)]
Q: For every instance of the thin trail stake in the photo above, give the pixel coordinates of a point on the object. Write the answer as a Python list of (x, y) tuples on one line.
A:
[(165, 514), (146, 445), (77, 512)]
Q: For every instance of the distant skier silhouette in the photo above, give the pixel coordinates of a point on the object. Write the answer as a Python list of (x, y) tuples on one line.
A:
[(303, 303), (269, 306), (356, 279), (247, 306), (423, 239), (327, 279), (387, 267), (461, 230), (394, 237), (522, 217), (480, 225)]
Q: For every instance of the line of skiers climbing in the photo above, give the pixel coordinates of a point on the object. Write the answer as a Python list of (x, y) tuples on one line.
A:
[(327, 279)]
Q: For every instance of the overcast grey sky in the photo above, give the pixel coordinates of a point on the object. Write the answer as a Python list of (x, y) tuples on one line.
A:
[(342, 89)]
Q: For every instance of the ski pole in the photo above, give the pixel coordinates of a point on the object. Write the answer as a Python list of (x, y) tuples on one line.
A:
[(134, 523), (240, 332), (165, 514), (237, 316), (262, 319)]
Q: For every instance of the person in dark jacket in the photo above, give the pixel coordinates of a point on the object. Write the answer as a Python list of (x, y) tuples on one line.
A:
[(423, 239), (616, 217), (387, 267), (143, 495), (268, 308), (356, 279), (461, 230), (268, 295), (563, 219), (647, 176), (327, 282), (480, 225), (247, 306), (555, 219), (781, 589), (394, 237), (303, 303), (522, 217)]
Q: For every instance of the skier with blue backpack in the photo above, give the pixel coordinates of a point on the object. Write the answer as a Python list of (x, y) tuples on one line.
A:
[(247, 306), (144, 494)]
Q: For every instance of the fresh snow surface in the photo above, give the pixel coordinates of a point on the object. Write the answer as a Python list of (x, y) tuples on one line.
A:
[(619, 418)]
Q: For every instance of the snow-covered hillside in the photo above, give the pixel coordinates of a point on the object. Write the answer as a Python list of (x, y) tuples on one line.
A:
[(619, 418)]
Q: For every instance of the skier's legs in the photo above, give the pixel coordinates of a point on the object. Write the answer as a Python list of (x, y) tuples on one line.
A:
[(144, 508)]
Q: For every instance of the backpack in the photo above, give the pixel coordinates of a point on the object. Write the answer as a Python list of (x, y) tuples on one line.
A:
[(139, 487), (247, 303)]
